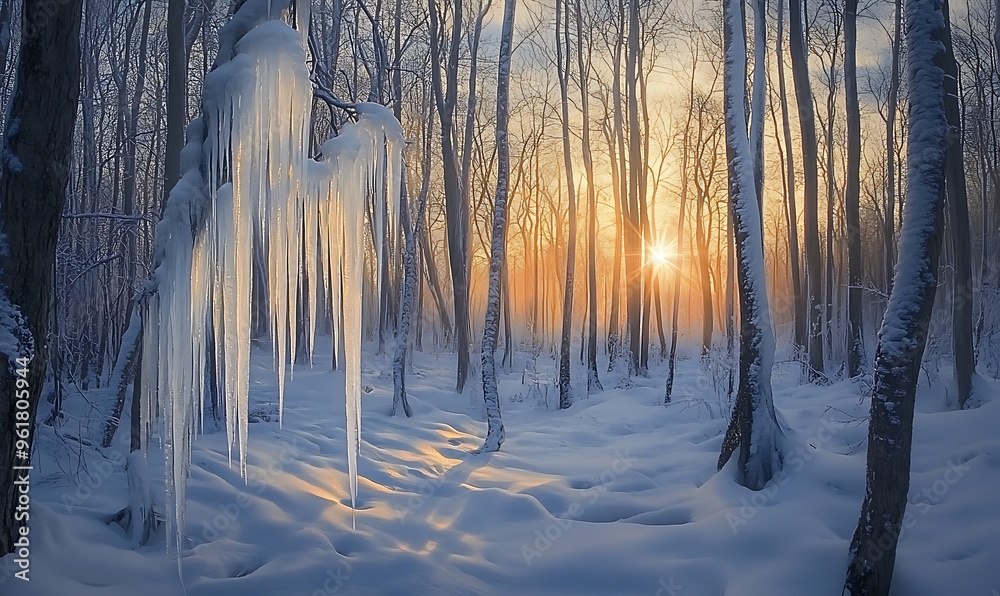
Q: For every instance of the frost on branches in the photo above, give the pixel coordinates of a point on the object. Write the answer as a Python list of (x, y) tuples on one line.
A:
[(248, 183)]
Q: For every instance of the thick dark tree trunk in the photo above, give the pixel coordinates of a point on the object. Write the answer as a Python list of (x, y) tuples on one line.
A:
[(34, 172), (904, 329)]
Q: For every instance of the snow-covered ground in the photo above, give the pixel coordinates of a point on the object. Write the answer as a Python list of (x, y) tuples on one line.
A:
[(617, 495)]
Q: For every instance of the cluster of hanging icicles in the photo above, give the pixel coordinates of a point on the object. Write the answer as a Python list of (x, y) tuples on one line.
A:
[(249, 184)]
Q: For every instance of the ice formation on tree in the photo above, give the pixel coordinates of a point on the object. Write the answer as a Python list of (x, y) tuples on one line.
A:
[(249, 182)]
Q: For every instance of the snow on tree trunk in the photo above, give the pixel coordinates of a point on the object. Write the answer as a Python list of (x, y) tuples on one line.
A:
[(411, 280), (119, 381), (754, 429), (495, 432), (903, 335), (248, 179)]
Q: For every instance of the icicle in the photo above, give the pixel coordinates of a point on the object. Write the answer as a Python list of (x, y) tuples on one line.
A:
[(201, 275), (225, 332), (150, 366), (352, 210), (307, 217), (302, 17), (175, 365), (313, 208)]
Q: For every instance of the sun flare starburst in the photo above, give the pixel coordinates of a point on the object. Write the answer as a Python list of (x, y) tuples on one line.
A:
[(659, 255)]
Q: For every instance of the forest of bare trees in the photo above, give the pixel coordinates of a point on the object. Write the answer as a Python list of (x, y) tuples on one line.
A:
[(617, 184)]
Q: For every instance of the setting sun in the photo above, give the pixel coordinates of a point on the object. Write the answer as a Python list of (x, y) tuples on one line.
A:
[(660, 255)]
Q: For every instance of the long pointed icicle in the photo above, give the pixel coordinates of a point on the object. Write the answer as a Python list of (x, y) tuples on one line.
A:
[(265, 197)]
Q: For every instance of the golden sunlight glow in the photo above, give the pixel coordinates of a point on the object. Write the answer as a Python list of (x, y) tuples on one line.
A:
[(659, 255)]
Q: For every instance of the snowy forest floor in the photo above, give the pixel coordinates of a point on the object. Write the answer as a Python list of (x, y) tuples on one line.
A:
[(617, 495)]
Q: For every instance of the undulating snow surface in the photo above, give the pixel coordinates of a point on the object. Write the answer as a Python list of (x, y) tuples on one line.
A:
[(617, 495)]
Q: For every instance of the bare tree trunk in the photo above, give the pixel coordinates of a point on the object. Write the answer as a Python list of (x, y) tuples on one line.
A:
[(807, 125), (37, 152), (413, 231), (852, 193), (633, 240), (495, 432), (470, 108), (701, 239), (650, 285), (753, 429), (961, 234), (757, 101), (508, 333), (129, 178), (614, 313), (434, 281), (831, 199), (904, 330), (890, 149), (176, 95), (562, 64), (801, 316), (593, 379), (731, 303), (125, 367), (987, 183), (410, 281), (676, 297), (456, 197)]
